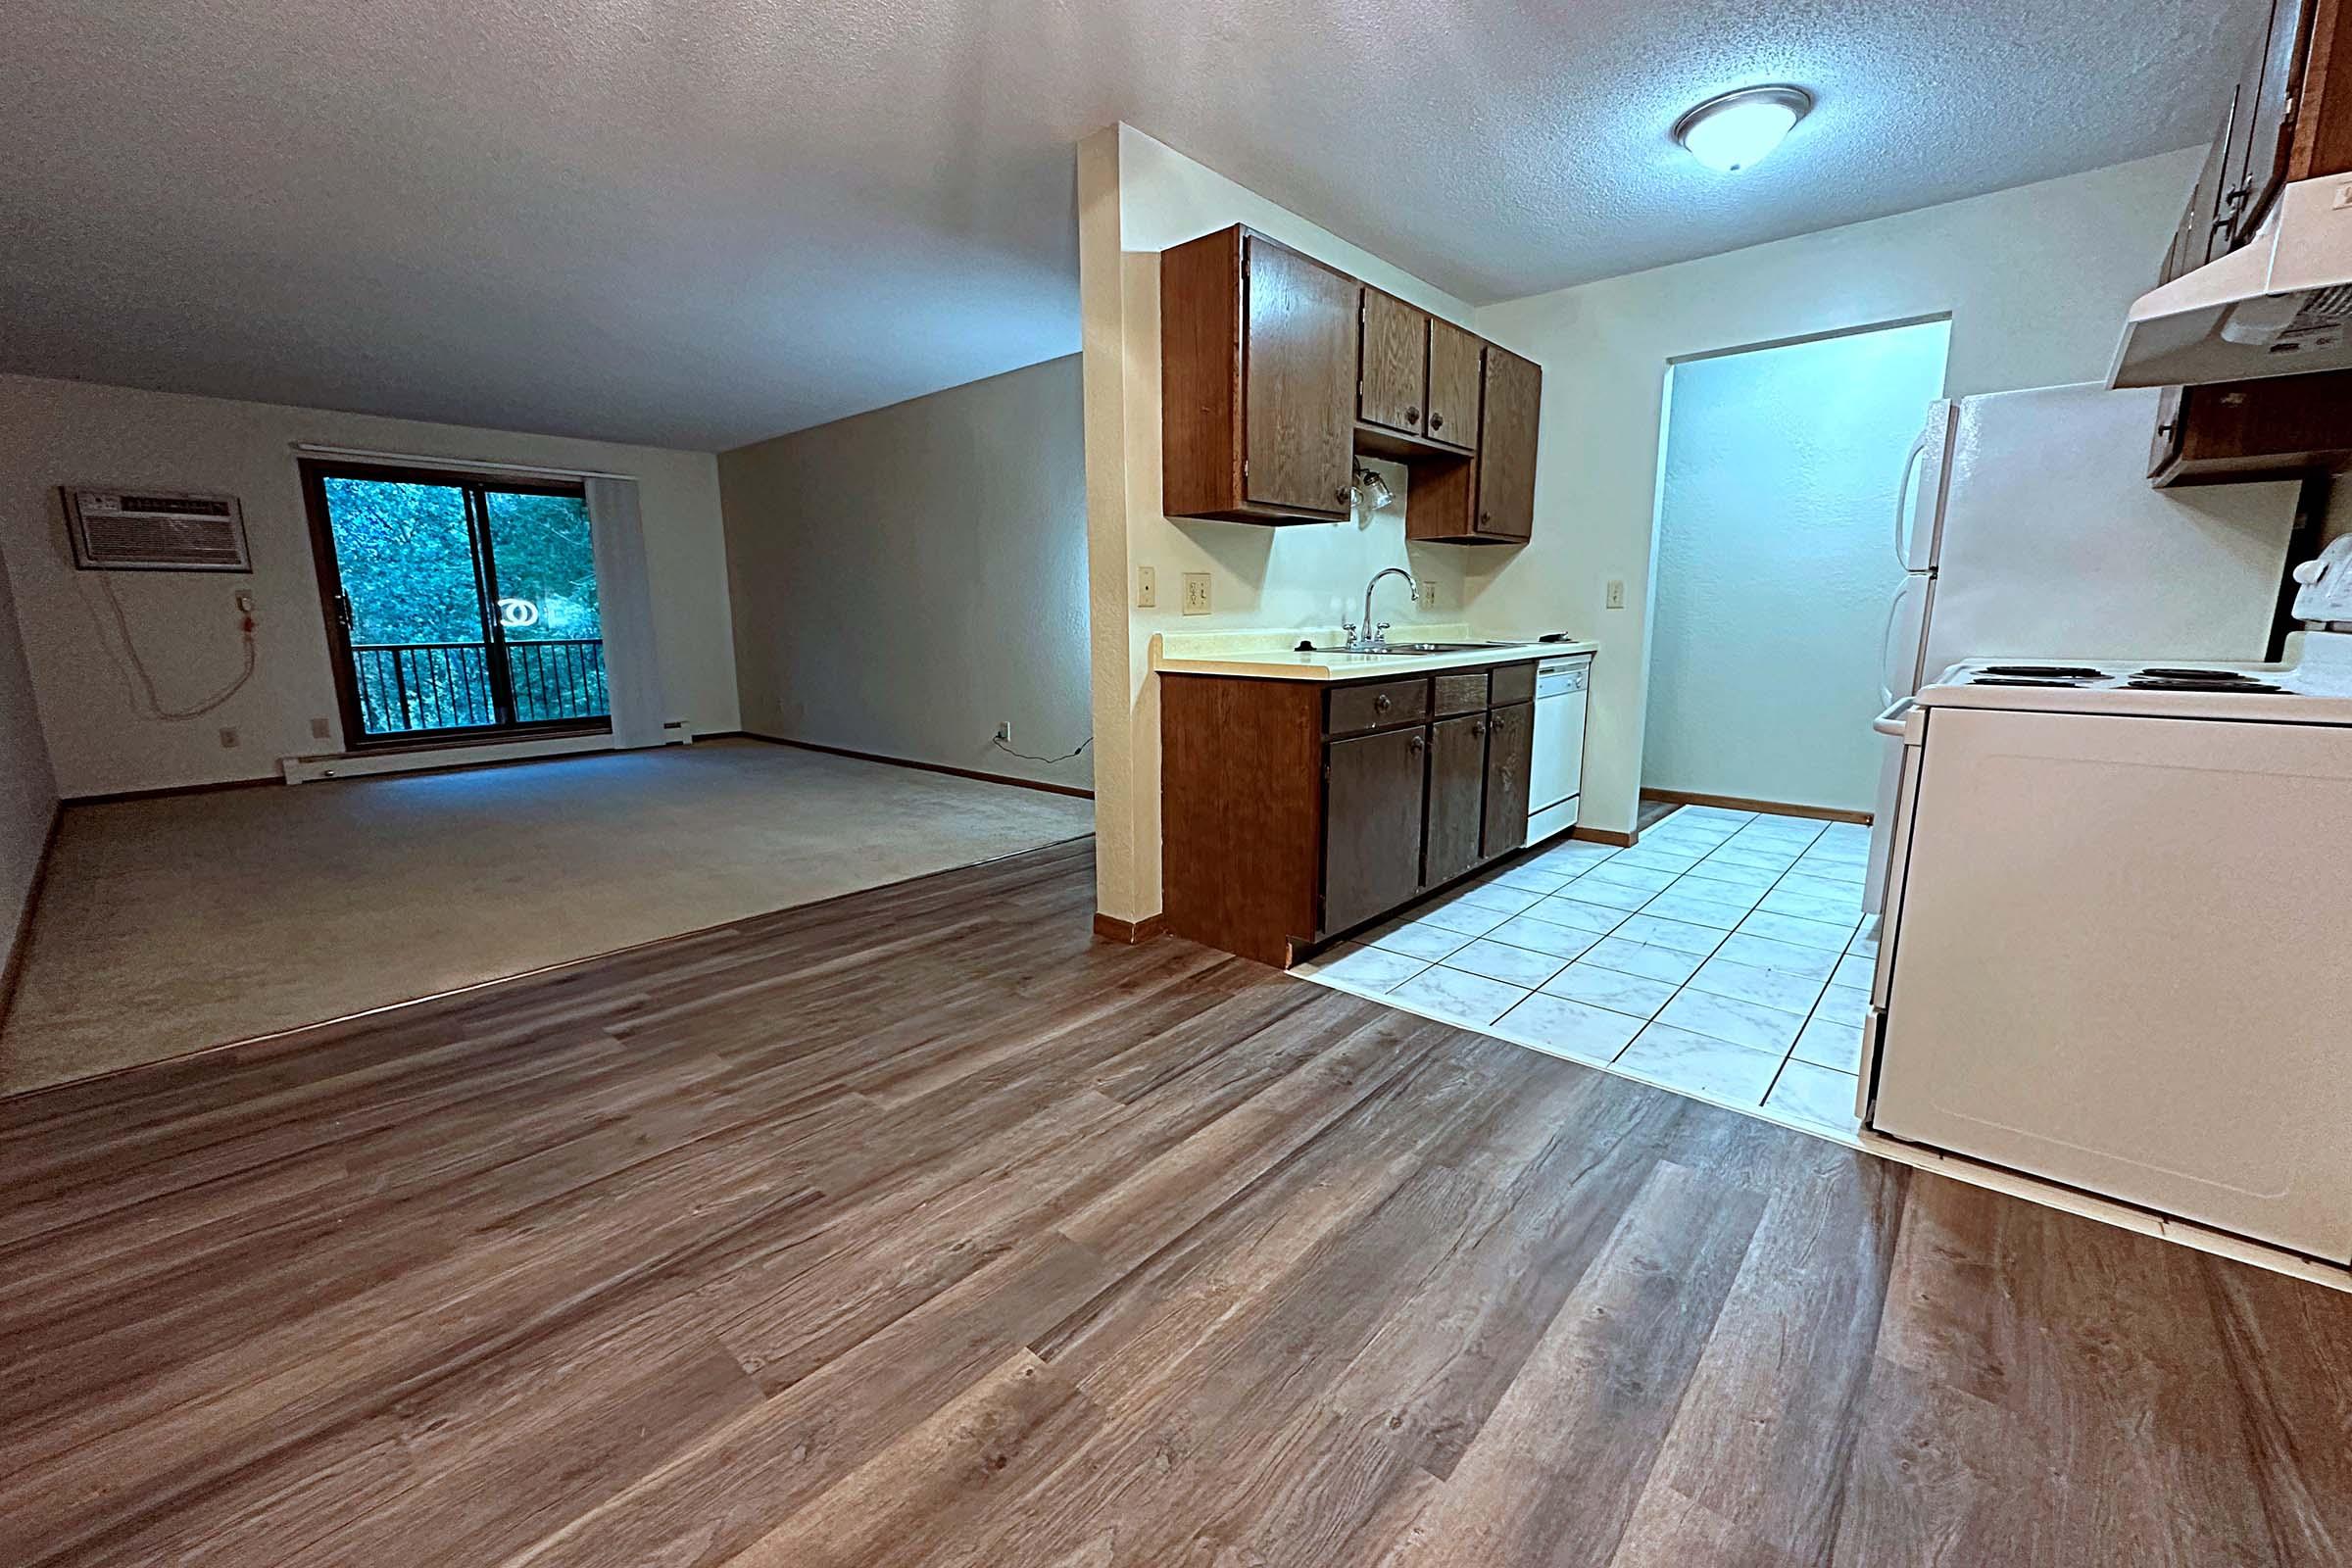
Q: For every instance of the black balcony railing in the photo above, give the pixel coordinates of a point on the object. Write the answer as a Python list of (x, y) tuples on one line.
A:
[(430, 686)]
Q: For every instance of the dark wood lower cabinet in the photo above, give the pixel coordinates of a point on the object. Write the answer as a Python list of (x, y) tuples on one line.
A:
[(1372, 824), (1458, 793), (1295, 812), (1510, 752)]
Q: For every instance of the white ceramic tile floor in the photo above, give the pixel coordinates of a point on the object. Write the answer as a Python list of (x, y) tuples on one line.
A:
[(1725, 955)]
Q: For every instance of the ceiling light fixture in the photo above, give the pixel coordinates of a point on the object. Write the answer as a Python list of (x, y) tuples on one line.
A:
[(1730, 132)]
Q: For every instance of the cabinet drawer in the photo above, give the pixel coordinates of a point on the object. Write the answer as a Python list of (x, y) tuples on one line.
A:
[(1392, 702), (1513, 683), (1460, 694)]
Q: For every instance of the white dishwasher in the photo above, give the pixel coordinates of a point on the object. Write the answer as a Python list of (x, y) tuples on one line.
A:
[(1556, 773)]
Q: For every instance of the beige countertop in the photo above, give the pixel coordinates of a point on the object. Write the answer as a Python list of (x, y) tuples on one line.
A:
[(1271, 655)]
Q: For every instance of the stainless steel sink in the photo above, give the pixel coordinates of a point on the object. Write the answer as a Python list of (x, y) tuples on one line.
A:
[(1395, 649)]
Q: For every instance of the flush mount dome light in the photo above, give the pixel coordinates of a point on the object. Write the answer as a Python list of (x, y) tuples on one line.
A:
[(1739, 129)]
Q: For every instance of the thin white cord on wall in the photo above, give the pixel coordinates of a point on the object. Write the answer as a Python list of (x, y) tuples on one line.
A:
[(143, 694)]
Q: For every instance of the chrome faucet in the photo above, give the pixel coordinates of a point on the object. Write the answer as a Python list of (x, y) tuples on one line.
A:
[(1374, 638)]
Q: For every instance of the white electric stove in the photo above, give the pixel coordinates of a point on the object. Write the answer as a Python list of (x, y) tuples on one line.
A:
[(2114, 946)]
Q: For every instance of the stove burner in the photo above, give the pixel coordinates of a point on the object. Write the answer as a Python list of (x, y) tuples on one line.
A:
[(2202, 678), (2045, 671), (2143, 683), (2024, 680)]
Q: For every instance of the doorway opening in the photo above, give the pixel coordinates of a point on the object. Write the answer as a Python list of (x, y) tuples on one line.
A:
[(1779, 488), (459, 605)]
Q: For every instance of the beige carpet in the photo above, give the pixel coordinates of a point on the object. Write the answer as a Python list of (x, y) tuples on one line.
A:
[(173, 924)]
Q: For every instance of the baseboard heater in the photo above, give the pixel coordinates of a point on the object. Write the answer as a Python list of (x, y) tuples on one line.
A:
[(363, 765)]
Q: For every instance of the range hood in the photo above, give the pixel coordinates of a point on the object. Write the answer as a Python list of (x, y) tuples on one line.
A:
[(2279, 304)]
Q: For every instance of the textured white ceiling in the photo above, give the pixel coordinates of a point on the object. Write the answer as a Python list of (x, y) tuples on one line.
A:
[(698, 223)]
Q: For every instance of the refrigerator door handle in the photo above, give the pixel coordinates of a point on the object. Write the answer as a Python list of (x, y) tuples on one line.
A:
[(1894, 609), (1902, 497)]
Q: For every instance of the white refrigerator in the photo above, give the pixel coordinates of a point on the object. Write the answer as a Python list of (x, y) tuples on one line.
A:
[(2026, 528)]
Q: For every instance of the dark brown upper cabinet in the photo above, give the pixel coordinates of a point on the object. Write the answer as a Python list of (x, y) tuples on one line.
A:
[(1277, 371), (1489, 499), (1395, 380), (1506, 446), (1456, 364), (1258, 381), (2288, 117)]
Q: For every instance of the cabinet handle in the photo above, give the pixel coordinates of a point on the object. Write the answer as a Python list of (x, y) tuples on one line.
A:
[(1479, 729), (1486, 519), (1412, 415), (1344, 496), (1379, 702), (1437, 421), (1414, 746)]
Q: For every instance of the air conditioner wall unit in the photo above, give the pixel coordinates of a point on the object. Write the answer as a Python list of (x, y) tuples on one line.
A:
[(155, 530)]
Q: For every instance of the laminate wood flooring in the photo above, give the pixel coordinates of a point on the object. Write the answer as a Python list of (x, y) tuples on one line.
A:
[(918, 1228)]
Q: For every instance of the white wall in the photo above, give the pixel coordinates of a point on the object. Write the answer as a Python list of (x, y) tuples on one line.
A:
[(2035, 281), (1136, 198), (1775, 564), (28, 787), (906, 578), (56, 433)]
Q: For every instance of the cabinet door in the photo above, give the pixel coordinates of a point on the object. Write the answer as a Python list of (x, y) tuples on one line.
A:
[(2203, 224), (1372, 798), (1510, 751), (2266, 101), (2165, 445), (1506, 446), (1458, 793), (1395, 364), (1297, 381), (1455, 367)]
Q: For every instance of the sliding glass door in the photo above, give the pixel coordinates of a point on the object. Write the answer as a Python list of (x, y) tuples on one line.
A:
[(457, 606)]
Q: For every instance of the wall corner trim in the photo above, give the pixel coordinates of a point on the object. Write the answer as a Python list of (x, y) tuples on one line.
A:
[(1111, 928)]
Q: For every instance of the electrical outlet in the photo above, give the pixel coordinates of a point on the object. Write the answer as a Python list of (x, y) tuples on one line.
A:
[(1616, 598), (1147, 587), (319, 729), (228, 738), (1426, 593), (1196, 593), (1004, 731)]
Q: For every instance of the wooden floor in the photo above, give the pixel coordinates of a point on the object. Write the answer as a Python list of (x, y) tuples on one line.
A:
[(919, 1229)]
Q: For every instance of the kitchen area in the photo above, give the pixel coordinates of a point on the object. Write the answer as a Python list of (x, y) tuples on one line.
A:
[(2076, 949)]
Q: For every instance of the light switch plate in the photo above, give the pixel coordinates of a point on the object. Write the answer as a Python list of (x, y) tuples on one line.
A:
[(1147, 587), (1616, 599), (1196, 593)]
